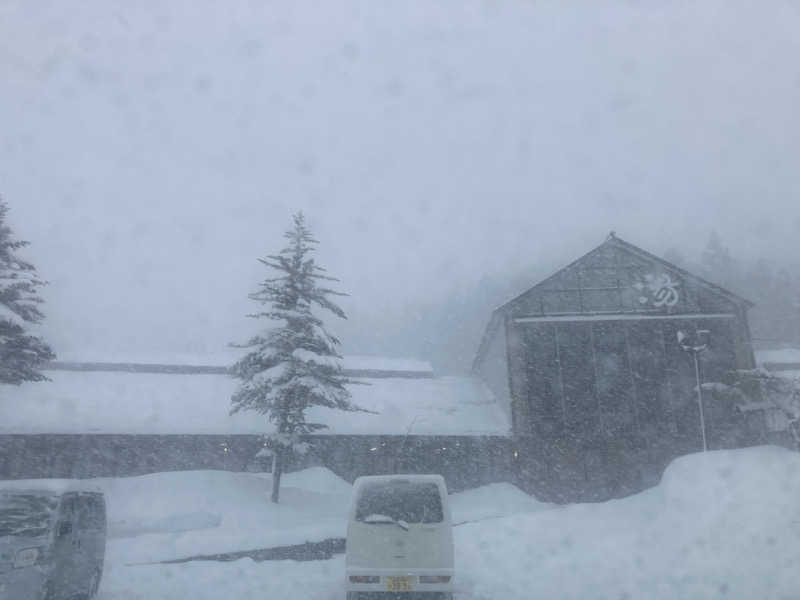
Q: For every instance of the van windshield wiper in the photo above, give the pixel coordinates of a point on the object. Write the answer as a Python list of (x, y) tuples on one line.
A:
[(385, 519)]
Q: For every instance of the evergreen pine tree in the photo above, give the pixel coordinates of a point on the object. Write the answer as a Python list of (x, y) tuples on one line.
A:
[(21, 354), (718, 265), (676, 257), (294, 364), (759, 288)]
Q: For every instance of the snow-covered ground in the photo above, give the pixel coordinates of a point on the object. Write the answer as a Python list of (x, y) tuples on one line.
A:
[(103, 402), (166, 516), (721, 525), (175, 515)]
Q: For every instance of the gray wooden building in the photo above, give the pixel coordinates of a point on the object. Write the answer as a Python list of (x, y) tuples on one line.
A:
[(601, 390)]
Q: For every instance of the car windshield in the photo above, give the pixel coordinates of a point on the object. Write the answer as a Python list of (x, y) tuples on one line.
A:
[(400, 501), (26, 515)]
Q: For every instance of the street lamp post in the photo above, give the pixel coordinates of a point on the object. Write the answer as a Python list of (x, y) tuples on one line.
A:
[(696, 343), (405, 441)]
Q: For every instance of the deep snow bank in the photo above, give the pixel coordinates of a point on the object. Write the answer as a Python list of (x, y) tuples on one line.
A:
[(721, 525), (492, 501)]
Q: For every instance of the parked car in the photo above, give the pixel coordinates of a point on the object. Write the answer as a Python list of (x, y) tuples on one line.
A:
[(52, 540), (399, 539)]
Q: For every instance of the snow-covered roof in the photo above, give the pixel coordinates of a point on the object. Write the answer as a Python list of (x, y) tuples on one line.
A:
[(359, 366), (778, 355), (147, 403)]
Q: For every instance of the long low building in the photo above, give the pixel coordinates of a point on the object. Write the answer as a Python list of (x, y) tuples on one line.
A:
[(97, 418)]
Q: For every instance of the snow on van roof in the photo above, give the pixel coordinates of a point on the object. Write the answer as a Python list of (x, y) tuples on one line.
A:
[(148, 403), (400, 477)]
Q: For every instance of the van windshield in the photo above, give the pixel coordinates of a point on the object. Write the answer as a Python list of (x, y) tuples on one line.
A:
[(401, 501), (26, 515)]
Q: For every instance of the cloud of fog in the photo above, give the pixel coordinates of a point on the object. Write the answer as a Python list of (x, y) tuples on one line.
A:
[(152, 152)]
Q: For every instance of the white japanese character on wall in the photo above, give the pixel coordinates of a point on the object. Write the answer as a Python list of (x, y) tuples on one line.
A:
[(661, 290)]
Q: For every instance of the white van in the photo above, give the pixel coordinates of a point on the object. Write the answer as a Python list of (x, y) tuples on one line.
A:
[(399, 539)]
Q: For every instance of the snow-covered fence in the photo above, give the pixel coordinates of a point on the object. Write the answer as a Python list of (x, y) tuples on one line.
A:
[(356, 367), (464, 461), (24, 456)]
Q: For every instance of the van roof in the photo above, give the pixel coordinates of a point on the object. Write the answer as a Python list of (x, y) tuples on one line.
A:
[(49, 486)]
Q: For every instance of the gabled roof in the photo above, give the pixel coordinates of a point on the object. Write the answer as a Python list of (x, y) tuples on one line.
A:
[(612, 240)]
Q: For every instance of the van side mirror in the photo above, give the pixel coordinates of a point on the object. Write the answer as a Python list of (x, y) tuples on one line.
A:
[(65, 528)]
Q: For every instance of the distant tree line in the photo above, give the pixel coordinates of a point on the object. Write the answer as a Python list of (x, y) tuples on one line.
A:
[(447, 332), (774, 287)]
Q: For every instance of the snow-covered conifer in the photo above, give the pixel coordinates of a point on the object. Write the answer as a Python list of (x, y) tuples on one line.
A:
[(21, 354), (294, 364)]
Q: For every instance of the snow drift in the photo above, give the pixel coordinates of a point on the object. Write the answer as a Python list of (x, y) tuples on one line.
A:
[(720, 525)]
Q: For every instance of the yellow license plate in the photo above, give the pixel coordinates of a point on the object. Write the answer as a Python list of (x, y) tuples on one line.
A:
[(399, 584)]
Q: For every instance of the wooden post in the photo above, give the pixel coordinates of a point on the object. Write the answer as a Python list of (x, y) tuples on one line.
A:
[(560, 376), (594, 378), (667, 380), (634, 388)]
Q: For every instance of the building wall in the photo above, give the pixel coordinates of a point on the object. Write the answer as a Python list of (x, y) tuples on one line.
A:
[(603, 395), (629, 373), (464, 461), (616, 400)]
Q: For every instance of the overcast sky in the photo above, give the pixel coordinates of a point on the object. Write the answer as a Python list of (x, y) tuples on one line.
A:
[(151, 151)]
